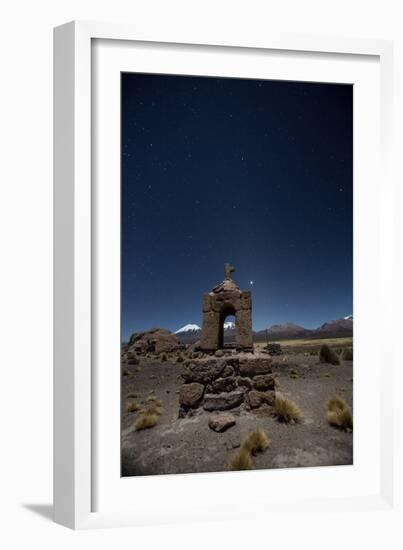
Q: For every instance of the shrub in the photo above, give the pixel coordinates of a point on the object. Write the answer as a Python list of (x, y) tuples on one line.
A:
[(146, 420), (286, 410), (327, 355), (338, 414), (241, 461), (164, 357), (347, 354), (256, 442), (132, 406)]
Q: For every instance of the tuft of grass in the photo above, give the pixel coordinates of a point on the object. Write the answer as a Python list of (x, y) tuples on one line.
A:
[(256, 442), (132, 406), (286, 410), (241, 461), (338, 414), (154, 407), (347, 354), (327, 355), (146, 420), (132, 395)]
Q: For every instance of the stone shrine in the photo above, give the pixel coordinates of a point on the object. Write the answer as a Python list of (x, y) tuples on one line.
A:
[(223, 300)]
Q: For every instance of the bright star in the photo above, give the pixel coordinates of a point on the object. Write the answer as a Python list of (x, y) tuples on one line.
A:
[(251, 283)]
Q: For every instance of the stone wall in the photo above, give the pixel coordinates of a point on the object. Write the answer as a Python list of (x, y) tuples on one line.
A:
[(218, 384)]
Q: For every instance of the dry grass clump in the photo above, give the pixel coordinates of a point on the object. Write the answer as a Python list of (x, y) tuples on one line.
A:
[(241, 461), (146, 420), (327, 355), (347, 354), (148, 417), (286, 410), (256, 442), (132, 395), (338, 414), (132, 406), (154, 405)]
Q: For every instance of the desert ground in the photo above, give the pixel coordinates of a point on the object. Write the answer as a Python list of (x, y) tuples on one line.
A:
[(187, 445)]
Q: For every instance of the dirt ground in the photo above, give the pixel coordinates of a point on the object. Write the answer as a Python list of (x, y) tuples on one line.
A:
[(188, 445)]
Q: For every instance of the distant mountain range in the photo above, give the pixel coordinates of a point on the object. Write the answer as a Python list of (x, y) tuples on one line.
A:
[(331, 329)]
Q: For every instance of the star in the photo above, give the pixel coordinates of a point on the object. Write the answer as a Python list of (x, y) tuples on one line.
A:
[(251, 283)]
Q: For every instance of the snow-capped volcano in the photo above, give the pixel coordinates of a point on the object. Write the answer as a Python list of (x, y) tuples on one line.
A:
[(188, 328), (348, 318)]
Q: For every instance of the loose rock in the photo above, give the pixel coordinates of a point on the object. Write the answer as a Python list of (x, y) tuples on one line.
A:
[(258, 398), (190, 395), (221, 422)]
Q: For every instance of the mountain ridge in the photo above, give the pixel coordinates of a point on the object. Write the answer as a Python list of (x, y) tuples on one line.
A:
[(190, 333)]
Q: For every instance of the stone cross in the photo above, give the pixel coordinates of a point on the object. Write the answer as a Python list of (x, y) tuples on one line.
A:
[(228, 270)]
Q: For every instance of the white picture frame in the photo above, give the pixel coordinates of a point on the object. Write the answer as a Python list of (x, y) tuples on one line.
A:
[(77, 419)]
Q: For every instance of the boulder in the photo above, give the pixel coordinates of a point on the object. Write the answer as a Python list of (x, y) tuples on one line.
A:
[(258, 398), (156, 340), (219, 353), (273, 349), (223, 385), (132, 358), (190, 395), (244, 382), (203, 372), (222, 401), (228, 371), (264, 382), (221, 422), (255, 366)]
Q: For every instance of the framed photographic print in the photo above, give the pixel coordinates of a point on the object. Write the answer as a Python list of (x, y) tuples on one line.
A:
[(220, 234)]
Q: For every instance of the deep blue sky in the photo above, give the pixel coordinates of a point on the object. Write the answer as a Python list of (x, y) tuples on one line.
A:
[(255, 173)]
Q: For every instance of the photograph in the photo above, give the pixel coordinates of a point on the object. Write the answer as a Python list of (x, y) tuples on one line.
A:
[(236, 274)]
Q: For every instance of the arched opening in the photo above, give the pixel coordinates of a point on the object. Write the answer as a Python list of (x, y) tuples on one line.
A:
[(227, 329)]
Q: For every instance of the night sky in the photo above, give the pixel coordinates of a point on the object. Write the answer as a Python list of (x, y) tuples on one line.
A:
[(255, 173)]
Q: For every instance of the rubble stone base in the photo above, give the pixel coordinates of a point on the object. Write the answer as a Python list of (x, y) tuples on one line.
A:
[(219, 384)]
